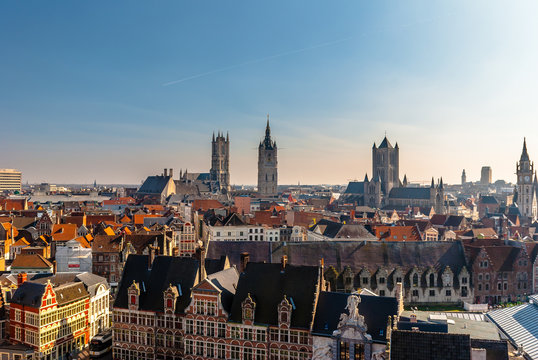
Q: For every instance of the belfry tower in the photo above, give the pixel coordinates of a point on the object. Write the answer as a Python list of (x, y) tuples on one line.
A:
[(220, 161), (267, 165)]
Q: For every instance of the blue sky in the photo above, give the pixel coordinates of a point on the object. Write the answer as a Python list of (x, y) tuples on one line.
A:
[(115, 91)]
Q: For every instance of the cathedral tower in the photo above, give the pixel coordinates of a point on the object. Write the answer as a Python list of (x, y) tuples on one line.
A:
[(267, 165), (386, 165), (526, 189), (220, 160)]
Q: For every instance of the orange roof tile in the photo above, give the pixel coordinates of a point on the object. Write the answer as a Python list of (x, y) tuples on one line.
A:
[(397, 233), (206, 204), (21, 242), (83, 242), (34, 261), (64, 232), (139, 218), (109, 231)]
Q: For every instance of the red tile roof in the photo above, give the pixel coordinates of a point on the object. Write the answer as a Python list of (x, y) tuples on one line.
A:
[(34, 261), (64, 232)]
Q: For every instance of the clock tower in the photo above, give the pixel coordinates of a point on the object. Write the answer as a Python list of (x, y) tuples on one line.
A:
[(526, 185)]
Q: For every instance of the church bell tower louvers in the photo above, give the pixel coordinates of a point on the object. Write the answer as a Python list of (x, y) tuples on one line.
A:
[(267, 165)]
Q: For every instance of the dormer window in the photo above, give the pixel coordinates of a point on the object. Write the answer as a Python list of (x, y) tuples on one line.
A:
[(170, 296), (284, 312), (134, 294), (248, 309)]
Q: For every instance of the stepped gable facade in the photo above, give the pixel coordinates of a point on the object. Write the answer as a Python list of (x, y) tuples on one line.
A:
[(431, 271)]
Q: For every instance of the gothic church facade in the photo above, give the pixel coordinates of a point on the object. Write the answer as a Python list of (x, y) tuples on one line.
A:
[(385, 188)]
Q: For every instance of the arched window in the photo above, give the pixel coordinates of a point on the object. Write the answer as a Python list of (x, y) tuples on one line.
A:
[(415, 279), (432, 280)]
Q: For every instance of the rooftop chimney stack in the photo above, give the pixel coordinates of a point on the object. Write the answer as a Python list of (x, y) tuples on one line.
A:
[(165, 173), (283, 262), (245, 258), (200, 256), (171, 172), (21, 278)]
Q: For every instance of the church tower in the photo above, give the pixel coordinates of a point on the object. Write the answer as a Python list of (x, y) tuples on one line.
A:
[(386, 165), (267, 165), (220, 161), (526, 190), (463, 177)]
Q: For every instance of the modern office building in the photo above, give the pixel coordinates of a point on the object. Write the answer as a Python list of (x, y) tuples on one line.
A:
[(10, 180)]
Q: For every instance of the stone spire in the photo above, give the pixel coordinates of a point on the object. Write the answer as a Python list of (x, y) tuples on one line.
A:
[(268, 129), (524, 154)]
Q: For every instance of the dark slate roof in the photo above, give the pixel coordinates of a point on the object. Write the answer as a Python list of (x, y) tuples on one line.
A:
[(215, 265), (355, 187), (356, 254), (375, 309), (181, 272), (419, 345), (154, 184), (488, 199), (371, 255), (337, 230), (454, 220), (259, 251), (226, 281), (90, 281), (70, 292), (267, 285), (385, 144), (204, 177), (29, 294), (410, 193)]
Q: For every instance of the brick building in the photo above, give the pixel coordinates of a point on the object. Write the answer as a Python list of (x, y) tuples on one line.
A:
[(500, 273), (53, 320)]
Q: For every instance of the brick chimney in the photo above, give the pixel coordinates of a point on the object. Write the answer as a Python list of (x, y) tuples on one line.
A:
[(283, 262), (165, 173), (21, 278), (322, 275), (245, 258), (171, 172)]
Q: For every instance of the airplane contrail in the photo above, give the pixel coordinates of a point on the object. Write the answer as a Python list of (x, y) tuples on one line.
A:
[(291, 52), (255, 61)]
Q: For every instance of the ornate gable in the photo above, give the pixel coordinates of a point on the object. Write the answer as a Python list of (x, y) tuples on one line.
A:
[(248, 307), (170, 296), (284, 313), (134, 294)]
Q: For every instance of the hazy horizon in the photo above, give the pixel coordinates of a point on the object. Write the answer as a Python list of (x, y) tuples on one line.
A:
[(118, 91)]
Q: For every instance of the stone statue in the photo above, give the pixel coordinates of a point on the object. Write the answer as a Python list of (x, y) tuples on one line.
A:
[(353, 318)]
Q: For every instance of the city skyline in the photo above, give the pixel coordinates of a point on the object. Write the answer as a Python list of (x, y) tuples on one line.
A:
[(453, 84)]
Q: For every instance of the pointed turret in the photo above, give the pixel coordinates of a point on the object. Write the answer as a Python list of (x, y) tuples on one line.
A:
[(385, 144), (374, 147), (405, 181), (524, 154), (396, 146), (365, 177), (227, 136), (433, 183), (268, 128), (441, 183), (213, 136)]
